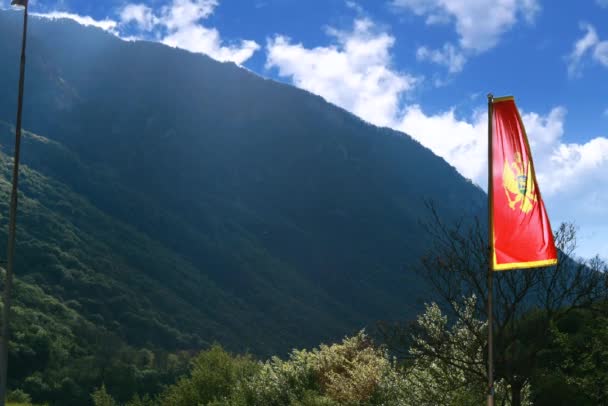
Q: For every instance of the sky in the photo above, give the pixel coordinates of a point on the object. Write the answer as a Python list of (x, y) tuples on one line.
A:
[(423, 67)]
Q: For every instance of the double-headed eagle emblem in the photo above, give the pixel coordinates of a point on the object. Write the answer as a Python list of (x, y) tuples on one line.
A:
[(518, 183)]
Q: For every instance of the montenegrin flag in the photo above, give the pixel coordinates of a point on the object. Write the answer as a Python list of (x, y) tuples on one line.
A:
[(522, 235)]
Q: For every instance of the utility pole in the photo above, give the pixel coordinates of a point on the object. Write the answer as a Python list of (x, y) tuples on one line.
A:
[(12, 224)]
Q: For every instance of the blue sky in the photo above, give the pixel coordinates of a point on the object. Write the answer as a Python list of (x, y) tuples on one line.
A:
[(419, 66)]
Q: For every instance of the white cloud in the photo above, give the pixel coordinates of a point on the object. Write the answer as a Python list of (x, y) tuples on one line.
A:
[(355, 6), (600, 53), (106, 24), (178, 24), (570, 164), (589, 44), (575, 187), (197, 38), (572, 176), (479, 23), (462, 143), (448, 56), (354, 73), (139, 14), (182, 13)]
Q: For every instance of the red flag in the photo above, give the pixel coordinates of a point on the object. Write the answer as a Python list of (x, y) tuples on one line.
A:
[(521, 230), (19, 3)]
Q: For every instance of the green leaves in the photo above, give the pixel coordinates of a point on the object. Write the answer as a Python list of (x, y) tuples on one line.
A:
[(574, 367), (213, 377), (102, 398), (353, 372)]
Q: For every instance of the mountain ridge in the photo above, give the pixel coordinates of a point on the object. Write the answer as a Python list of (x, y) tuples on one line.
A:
[(284, 220)]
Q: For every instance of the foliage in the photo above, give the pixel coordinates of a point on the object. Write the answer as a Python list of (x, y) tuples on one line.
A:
[(57, 356), (141, 401), (102, 398), (213, 376), (158, 217), (353, 372), (179, 213), (18, 396), (447, 361), (356, 372), (574, 368)]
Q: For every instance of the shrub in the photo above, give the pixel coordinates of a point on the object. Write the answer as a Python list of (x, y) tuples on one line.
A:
[(214, 375), (18, 396), (351, 372), (102, 398)]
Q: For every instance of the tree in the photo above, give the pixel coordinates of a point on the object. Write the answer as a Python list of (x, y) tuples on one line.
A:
[(526, 303), (101, 397), (447, 365), (214, 375), (353, 372), (18, 396), (574, 368)]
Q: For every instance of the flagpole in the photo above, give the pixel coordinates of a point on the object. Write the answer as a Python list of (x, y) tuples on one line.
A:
[(490, 261), (12, 221)]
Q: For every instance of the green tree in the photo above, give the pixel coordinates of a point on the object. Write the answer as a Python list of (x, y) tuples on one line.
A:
[(102, 398), (214, 375), (18, 396), (353, 372), (575, 367), (446, 365)]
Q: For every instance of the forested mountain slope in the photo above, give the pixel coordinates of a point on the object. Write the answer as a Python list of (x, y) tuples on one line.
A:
[(177, 201)]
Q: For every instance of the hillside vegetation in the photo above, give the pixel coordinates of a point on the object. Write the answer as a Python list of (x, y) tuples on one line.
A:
[(178, 201), (169, 202)]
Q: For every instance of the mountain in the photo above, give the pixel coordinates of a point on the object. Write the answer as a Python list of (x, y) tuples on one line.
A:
[(176, 201)]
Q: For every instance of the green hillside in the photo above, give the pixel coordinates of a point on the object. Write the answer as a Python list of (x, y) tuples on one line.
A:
[(171, 201), (121, 279)]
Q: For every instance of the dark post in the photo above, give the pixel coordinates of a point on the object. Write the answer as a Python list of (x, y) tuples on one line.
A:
[(8, 282), (490, 261)]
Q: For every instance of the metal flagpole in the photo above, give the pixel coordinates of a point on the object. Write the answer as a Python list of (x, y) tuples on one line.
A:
[(12, 219), (490, 261)]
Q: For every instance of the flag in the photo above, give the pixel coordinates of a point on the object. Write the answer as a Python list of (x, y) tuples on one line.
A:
[(19, 3), (522, 236)]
